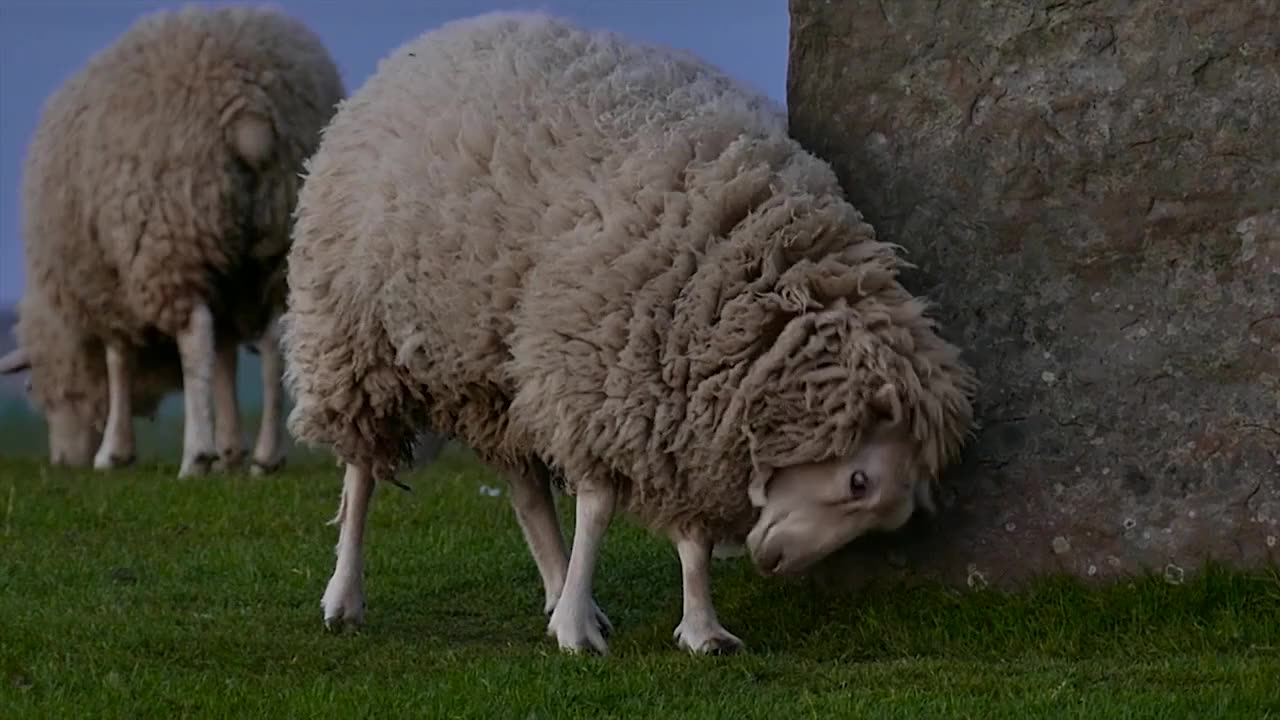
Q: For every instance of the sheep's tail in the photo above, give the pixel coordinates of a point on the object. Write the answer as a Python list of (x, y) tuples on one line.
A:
[(251, 136)]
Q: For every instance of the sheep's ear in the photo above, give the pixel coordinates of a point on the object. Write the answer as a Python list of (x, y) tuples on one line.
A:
[(885, 402), (14, 362), (759, 484)]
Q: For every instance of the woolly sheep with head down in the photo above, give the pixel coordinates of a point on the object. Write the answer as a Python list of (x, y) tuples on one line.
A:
[(158, 194), (606, 262)]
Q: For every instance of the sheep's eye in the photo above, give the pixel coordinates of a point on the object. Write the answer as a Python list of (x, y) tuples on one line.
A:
[(858, 484)]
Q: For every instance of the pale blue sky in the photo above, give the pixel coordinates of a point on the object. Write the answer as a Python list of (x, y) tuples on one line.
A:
[(43, 41)]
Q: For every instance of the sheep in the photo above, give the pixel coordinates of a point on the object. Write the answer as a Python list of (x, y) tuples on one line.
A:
[(158, 193), (605, 265)]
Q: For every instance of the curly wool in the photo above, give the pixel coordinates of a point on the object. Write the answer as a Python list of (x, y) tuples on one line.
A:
[(562, 246), (136, 205)]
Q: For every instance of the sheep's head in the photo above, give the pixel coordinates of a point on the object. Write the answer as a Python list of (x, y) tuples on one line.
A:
[(812, 509), (849, 417), (67, 381)]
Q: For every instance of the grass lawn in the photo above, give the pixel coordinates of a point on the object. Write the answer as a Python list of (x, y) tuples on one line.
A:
[(137, 595)]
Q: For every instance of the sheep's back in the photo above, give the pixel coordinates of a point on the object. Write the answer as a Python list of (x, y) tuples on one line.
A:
[(458, 194)]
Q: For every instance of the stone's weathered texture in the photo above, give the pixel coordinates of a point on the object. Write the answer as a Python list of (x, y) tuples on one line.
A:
[(1091, 191)]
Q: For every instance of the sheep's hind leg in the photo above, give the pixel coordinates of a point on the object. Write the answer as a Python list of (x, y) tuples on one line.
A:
[(196, 348), (700, 630), (343, 601), (117, 448), (226, 408), (535, 510), (268, 451), (573, 621)]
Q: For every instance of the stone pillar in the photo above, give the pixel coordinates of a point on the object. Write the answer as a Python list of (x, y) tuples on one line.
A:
[(1091, 191)]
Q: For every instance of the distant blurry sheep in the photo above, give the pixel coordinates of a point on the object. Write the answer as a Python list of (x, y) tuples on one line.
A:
[(157, 195)]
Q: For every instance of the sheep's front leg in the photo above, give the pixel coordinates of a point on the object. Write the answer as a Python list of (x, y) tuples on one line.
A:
[(700, 630), (573, 621), (226, 408), (343, 600), (535, 510), (268, 451), (117, 448), (196, 349)]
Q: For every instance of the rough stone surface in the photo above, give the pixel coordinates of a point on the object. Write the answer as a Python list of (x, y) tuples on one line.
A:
[(1091, 191)]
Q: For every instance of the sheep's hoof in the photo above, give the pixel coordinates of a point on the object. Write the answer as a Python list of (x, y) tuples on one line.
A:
[(197, 464), (114, 460), (229, 459), (577, 630), (706, 638), (338, 623), (602, 620), (258, 468), (343, 605)]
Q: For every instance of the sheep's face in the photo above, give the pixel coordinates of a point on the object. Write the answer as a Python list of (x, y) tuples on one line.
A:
[(66, 381), (811, 510), (73, 438), (69, 398)]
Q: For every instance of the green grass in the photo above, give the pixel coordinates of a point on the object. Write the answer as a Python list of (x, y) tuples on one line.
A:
[(137, 595)]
